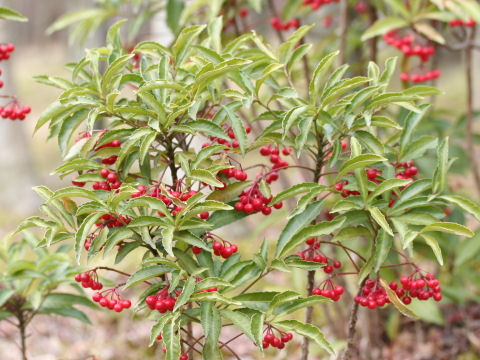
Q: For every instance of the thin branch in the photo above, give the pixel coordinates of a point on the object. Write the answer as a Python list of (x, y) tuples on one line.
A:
[(352, 323)]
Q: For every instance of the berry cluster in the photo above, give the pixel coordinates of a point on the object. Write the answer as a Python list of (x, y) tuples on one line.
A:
[(224, 249), (116, 302), (460, 22), (89, 279), (372, 295), (419, 78), (231, 135), (419, 286), (155, 191), (317, 4), (275, 159), (163, 301), (340, 186), (329, 290), (408, 172), (111, 181), (12, 110), (114, 143), (252, 200), (238, 174), (408, 47), (6, 50), (278, 25), (278, 342), (313, 253), (110, 222)]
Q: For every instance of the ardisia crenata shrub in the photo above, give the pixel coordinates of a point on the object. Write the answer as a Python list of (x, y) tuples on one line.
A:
[(10, 107), (156, 147), (165, 145)]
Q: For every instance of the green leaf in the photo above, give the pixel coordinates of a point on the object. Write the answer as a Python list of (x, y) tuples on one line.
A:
[(440, 175), (9, 14), (296, 190), (150, 203), (213, 296), (320, 229), (74, 191), (359, 162), (229, 193), (206, 153), (318, 75), (383, 244), (212, 326), (282, 298), (464, 203), (240, 320), (146, 274), (379, 218), (386, 185), (158, 327), (392, 295), (238, 128), (171, 339), (296, 223), (66, 312), (433, 243), (294, 305), (383, 26), (64, 300), (68, 127), (184, 42), (191, 239), (450, 228), (174, 14), (307, 330), (256, 325), (209, 128), (5, 294), (411, 122), (429, 32), (83, 231), (187, 291), (417, 148), (206, 177), (167, 239)]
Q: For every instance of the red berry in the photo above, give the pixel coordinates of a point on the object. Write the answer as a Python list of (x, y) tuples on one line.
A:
[(338, 290), (269, 337), (248, 208), (196, 250), (266, 210), (112, 177), (104, 173)]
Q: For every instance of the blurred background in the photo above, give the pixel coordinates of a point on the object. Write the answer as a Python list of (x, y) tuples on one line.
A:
[(26, 161)]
